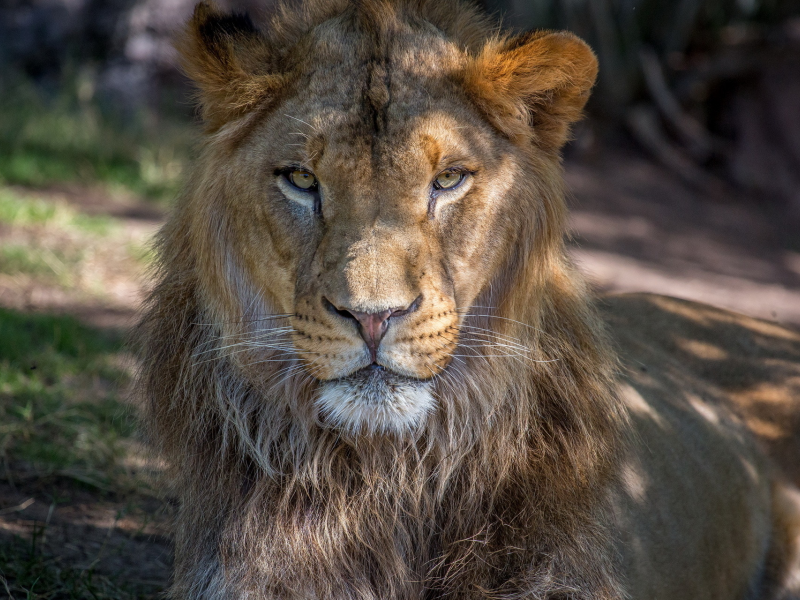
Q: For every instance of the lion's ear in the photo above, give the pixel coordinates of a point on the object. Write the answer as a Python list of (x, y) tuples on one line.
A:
[(229, 60), (534, 85)]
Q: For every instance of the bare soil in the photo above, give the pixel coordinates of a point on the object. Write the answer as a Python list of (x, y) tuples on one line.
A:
[(124, 538), (123, 281), (636, 227)]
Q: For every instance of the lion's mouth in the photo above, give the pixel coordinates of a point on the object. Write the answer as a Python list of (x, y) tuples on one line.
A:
[(377, 383), (375, 400)]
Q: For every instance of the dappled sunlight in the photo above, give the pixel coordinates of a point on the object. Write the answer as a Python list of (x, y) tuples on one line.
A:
[(638, 405), (634, 482), (57, 254), (766, 429), (703, 409), (702, 350), (771, 408), (98, 132), (737, 363)]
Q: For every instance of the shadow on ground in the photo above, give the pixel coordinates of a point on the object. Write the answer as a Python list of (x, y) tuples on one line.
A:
[(637, 228), (78, 518)]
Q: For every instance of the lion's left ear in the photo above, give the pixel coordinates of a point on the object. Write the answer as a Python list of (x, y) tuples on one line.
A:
[(230, 61), (534, 85)]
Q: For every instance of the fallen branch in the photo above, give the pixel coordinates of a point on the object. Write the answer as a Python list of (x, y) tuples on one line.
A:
[(691, 132), (645, 126)]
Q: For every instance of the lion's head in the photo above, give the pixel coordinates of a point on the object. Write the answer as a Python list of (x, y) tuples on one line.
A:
[(369, 178), (363, 289)]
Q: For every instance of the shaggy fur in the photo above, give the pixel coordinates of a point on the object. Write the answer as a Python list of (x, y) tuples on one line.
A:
[(500, 488)]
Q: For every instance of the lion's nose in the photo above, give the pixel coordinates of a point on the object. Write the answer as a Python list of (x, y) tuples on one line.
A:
[(373, 325)]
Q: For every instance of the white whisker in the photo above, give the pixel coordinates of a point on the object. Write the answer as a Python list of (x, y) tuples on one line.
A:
[(301, 121)]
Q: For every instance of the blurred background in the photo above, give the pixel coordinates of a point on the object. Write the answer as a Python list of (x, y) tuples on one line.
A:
[(684, 180)]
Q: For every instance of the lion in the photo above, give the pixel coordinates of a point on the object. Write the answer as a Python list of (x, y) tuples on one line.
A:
[(374, 372)]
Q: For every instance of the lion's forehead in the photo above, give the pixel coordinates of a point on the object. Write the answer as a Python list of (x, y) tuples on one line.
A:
[(378, 99), (399, 77), (421, 51)]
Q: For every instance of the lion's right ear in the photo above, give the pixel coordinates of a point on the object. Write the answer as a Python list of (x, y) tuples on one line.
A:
[(230, 61)]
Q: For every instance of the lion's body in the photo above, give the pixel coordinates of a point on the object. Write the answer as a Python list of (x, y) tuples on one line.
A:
[(748, 366), (373, 385), (709, 391)]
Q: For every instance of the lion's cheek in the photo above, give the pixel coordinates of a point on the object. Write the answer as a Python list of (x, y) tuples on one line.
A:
[(469, 277), (472, 252), (326, 355), (272, 269), (421, 356)]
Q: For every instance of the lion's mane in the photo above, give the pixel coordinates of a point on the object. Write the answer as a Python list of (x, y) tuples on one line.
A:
[(516, 456)]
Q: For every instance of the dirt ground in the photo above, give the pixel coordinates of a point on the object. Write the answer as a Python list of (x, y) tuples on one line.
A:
[(122, 537), (635, 228)]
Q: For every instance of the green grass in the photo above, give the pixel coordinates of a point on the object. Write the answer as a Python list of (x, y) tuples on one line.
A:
[(60, 409), (52, 243), (36, 255), (19, 259), (26, 572), (49, 139), (44, 264), (64, 423), (61, 415), (21, 210)]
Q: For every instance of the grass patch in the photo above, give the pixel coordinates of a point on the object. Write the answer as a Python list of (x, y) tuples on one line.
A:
[(46, 139), (42, 263), (19, 210), (26, 572), (143, 252), (52, 243), (60, 408), (20, 259)]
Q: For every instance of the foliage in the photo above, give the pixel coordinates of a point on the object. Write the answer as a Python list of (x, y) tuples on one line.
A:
[(19, 210), (64, 421), (70, 137), (620, 29)]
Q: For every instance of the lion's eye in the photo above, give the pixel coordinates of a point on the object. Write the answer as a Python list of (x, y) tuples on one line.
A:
[(447, 180), (300, 186), (302, 179)]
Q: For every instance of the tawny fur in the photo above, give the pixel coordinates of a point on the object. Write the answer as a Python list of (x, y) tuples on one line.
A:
[(501, 490)]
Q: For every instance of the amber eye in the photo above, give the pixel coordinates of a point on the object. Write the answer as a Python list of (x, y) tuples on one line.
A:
[(302, 179), (447, 180)]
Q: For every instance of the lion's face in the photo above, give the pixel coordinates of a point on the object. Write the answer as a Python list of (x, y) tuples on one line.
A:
[(371, 205)]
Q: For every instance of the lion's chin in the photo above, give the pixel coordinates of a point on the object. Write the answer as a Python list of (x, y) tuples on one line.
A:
[(375, 401)]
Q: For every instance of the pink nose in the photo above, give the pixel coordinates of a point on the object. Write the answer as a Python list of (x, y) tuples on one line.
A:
[(373, 326)]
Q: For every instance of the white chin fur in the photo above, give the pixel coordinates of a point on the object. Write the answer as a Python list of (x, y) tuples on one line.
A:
[(373, 404)]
